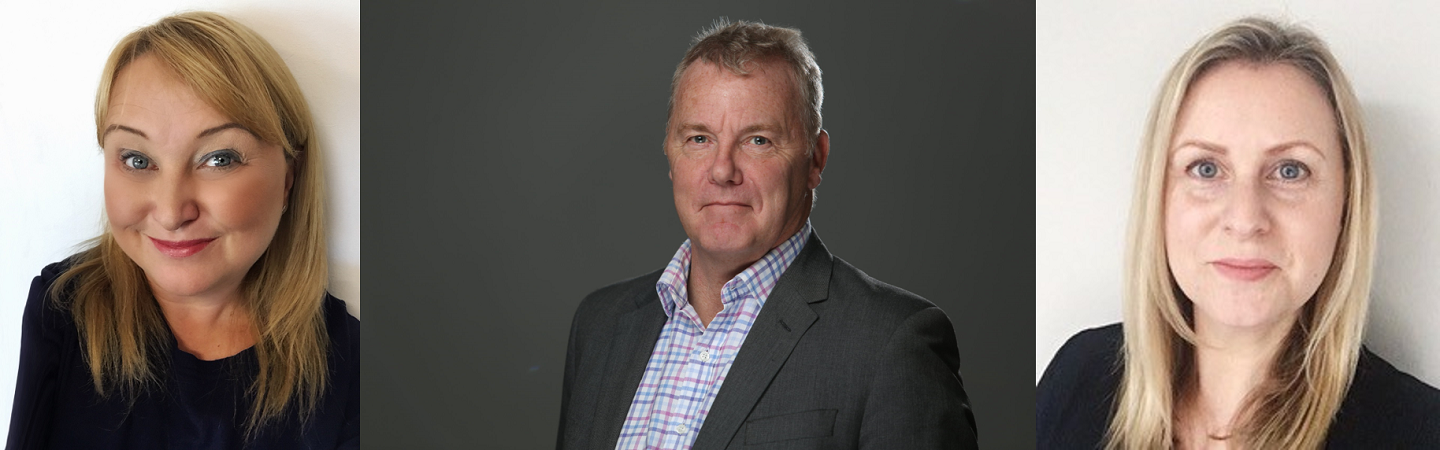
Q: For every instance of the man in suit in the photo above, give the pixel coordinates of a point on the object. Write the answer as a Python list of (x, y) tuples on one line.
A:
[(755, 336)]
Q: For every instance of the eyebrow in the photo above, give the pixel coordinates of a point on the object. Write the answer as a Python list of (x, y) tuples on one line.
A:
[(750, 129), (203, 134), (1277, 148), (224, 127), (122, 128)]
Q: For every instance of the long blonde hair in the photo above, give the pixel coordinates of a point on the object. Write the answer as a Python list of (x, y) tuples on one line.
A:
[(124, 336), (1314, 367)]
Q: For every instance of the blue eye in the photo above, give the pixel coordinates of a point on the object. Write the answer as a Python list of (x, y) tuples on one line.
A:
[(135, 160), (759, 140), (222, 158), (1204, 169), (699, 139), (1292, 171)]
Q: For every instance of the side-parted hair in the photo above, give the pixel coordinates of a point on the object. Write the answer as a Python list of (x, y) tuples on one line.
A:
[(735, 45), (1313, 369), (124, 335)]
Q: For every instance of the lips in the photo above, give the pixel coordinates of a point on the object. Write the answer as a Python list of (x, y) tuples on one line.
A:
[(1244, 269), (180, 249)]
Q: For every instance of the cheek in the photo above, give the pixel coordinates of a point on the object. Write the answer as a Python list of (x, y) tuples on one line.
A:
[(248, 204), (1316, 232), (124, 205), (1182, 228)]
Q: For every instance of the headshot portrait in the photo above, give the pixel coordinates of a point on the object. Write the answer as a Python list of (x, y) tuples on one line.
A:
[(1237, 267), (703, 226), (182, 227)]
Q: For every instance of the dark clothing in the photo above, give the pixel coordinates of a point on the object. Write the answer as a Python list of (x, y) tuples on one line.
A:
[(834, 360), (200, 405), (1385, 408)]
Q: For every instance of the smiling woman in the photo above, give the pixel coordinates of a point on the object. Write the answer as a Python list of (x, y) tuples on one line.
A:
[(199, 318)]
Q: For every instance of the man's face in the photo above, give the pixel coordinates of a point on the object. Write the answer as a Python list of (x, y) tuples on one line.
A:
[(738, 160)]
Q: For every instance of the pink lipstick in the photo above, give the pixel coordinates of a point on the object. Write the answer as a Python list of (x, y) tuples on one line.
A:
[(180, 249), (1244, 269)]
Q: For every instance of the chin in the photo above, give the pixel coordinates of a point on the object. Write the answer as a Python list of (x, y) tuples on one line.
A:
[(1245, 313), (179, 282)]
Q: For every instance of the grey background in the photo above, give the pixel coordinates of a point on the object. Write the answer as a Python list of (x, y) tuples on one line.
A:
[(514, 165)]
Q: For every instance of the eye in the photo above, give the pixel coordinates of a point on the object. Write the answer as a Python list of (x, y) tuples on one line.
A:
[(134, 160), (1204, 168), (699, 139), (221, 158), (759, 140), (1292, 171)]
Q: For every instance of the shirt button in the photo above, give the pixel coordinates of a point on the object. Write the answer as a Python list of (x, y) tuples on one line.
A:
[(705, 355), (682, 429)]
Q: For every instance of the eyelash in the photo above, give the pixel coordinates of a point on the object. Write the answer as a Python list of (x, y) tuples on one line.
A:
[(125, 161), (235, 158), (699, 139), (1304, 170)]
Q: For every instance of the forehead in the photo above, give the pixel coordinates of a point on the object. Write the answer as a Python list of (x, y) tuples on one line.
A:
[(706, 88), (1249, 104), (148, 89)]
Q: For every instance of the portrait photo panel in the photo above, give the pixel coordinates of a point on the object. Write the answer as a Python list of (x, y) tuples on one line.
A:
[(518, 164)]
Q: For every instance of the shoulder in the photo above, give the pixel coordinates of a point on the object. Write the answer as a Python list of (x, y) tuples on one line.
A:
[(621, 294), (39, 310), (343, 328), (884, 301), (1387, 408), (1074, 397), (1090, 351)]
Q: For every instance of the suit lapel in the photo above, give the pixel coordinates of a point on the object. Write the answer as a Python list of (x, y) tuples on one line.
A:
[(782, 322), (625, 367)]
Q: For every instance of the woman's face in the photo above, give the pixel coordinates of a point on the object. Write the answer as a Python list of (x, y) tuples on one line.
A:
[(1254, 194), (192, 197)]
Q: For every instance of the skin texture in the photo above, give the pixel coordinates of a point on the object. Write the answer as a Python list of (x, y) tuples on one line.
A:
[(740, 170), (1254, 197), (200, 181)]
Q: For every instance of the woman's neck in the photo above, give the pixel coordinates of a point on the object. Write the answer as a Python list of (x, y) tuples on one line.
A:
[(208, 327), (1230, 364)]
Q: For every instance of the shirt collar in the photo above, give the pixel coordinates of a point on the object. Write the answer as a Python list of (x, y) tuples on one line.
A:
[(757, 280)]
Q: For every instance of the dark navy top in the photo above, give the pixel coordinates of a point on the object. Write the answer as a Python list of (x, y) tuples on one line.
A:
[(202, 404), (1074, 401)]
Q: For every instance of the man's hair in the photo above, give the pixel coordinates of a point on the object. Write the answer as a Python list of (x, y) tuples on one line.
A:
[(735, 45)]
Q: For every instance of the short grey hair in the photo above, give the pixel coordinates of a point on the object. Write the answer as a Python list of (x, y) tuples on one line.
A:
[(735, 45)]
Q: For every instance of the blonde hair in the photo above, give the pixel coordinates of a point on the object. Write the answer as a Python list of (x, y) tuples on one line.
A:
[(124, 336), (1314, 367)]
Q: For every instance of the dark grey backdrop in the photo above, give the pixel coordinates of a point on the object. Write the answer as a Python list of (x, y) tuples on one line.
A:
[(513, 164)]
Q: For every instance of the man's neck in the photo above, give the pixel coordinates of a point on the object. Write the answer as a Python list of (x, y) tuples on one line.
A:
[(707, 279)]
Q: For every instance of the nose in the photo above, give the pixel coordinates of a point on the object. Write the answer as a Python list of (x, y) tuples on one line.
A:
[(723, 170), (1246, 214), (175, 205)]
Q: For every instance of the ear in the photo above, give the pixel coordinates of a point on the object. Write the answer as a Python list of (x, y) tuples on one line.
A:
[(819, 157), (665, 150), (289, 177)]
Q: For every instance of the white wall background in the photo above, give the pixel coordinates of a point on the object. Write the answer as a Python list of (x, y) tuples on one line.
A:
[(1098, 65), (51, 55)]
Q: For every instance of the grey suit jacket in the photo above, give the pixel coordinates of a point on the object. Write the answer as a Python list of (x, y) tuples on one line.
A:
[(835, 360)]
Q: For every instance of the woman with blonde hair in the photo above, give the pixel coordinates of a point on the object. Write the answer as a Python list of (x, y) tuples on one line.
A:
[(199, 318), (1251, 246)]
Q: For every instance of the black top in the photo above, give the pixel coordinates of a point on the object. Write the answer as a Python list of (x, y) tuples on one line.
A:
[(1385, 408), (202, 405)]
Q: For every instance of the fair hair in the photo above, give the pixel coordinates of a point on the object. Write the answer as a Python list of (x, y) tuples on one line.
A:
[(124, 336), (1313, 369), (735, 46)]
